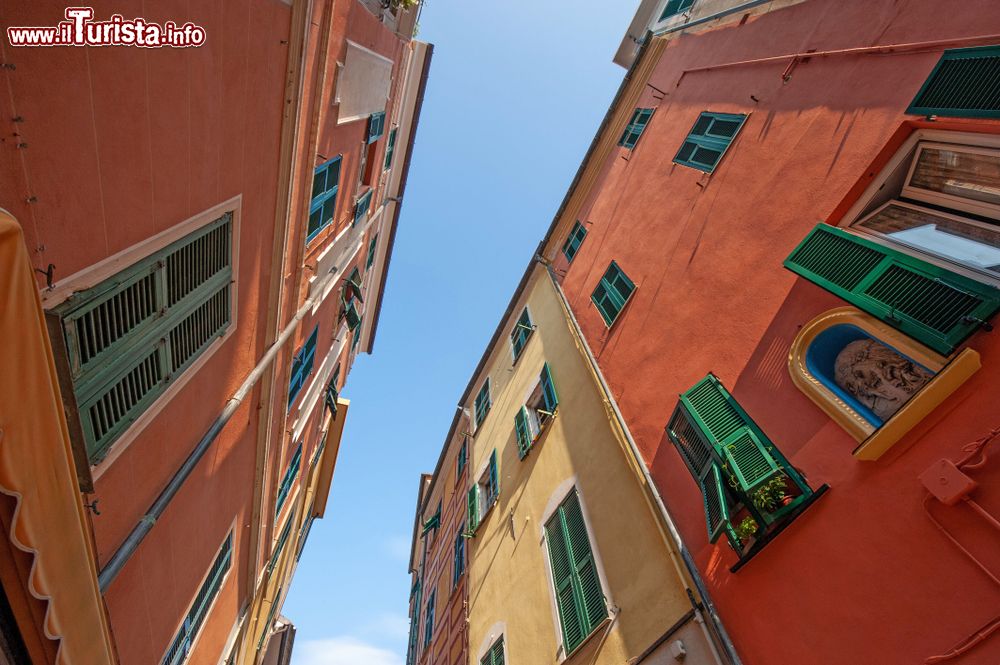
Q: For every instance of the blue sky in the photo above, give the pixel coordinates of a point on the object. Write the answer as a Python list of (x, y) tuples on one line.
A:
[(516, 92)]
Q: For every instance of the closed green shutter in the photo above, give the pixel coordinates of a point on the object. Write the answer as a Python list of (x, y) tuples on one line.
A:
[(326, 181), (429, 619), (522, 331), (473, 508), (282, 539), (372, 245), (495, 654), (612, 292), (180, 646), (130, 337), (574, 572), (573, 241), (302, 366), (522, 432), (291, 473), (931, 304), (709, 139), (549, 396), (635, 128), (965, 83), (463, 454), (483, 402)]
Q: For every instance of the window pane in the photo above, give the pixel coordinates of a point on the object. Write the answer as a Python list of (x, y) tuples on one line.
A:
[(700, 127), (959, 173), (319, 182), (707, 157), (968, 243)]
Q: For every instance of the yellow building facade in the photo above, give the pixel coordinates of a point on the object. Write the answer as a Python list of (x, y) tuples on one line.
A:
[(569, 556)]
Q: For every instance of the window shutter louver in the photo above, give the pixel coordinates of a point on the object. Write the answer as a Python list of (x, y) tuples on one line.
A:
[(716, 412), (931, 304), (562, 577), (578, 587), (351, 315), (709, 139), (965, 83), (522, 432), (129, 337), (717, 509)]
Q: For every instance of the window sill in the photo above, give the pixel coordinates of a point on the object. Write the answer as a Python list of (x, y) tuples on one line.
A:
[(763, 542)]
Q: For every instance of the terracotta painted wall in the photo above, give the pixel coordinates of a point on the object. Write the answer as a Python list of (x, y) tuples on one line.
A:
[(863, 576), (123, 143)]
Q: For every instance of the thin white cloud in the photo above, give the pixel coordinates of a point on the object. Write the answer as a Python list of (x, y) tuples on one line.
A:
[(388, 627), (398, 547), (343, 651)]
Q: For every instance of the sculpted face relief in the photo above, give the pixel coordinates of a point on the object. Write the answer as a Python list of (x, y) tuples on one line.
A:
[(878, 377)]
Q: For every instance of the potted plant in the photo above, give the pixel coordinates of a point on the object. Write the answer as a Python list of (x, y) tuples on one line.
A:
[(746, 530), (772, 495)]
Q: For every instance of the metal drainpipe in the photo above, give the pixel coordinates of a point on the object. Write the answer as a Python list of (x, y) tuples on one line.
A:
[(731, 655), (145, 525)]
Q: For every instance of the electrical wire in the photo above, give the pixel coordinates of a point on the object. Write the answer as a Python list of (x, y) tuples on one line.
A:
[(974, 450)]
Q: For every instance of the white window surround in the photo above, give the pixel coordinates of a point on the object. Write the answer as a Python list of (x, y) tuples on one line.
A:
[(560, 494), (102, 270), (496, 632), (888, 185)]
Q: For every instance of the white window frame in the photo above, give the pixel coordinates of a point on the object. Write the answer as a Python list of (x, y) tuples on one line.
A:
[(893, 169)]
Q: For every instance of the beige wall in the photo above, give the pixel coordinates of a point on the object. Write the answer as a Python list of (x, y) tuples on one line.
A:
[(510, 588)]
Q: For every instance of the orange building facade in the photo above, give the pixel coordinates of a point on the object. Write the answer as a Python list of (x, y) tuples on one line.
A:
[(782, 249), (207, 233)]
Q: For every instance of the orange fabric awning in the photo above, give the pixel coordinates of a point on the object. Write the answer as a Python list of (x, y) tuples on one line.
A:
[(36, 468)]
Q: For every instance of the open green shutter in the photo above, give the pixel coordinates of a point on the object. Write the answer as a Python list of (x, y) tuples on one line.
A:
[(494, 476), (694, 448), (496, 653), (716, 503), (750, 461), (522, 432), (352, 315), (570, 612), (931, 304), (331, 398), (352, 286), (549, 389), (473, 508), (733, 432)]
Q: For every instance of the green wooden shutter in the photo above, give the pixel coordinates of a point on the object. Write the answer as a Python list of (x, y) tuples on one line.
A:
[(483, 402), (522, 432), (494, 476), (709, 139), (351, 314), (331, 397), (745, 447), (562, 577), (573, 241), (612, 292), (130, 337), (549, 396), (965, 82), (717, 508), (473, 508), (931, 304), (390, 148), (495, 655), (372, 244), (578, 587)]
